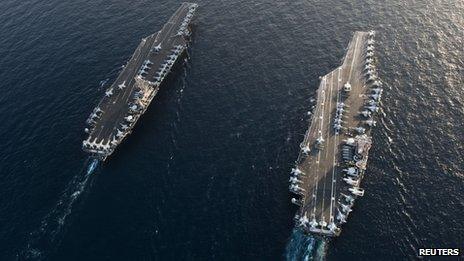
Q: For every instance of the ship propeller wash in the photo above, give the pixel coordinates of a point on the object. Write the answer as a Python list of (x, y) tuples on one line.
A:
[(132, 92), (327, 177)]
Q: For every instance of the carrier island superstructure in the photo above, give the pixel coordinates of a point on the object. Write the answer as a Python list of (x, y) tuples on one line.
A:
[(332, 161), (131, 93)]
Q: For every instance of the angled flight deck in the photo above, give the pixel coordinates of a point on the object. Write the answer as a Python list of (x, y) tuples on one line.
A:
[(131, 93), (335, 149)]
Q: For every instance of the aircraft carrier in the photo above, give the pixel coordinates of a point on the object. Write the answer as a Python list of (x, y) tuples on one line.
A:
[(334, 153), (128, 97)]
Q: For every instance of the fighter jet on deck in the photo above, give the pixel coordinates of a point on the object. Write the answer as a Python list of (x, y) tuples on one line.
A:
[(144, 67), (124, 126), (373, 108), (109, 92), (304, 220), (366, 113), (129, 118), (348, 198), (306, 149), (296, 202), (295, 180), (341, 217), (371, 123), (357, 191), (352, 171), (323, 223), (376, 96), (369, 67), (332, 227), (296, 189), (372, 77), (352, 182), (369, 72), (313, 223), (157, 48), (360, 130), (346, 208), (122, 85), (377, 90), (377, 83), (297, 171)]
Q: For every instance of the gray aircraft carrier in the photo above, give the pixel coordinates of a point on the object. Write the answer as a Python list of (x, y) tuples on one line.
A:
[(333, 157), (131, 93)]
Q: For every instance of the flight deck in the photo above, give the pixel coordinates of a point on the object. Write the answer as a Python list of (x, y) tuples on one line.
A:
[(131, 93), (334, 152)]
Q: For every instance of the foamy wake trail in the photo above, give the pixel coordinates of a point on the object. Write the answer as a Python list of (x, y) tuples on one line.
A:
[(302, 247), (49, 235)]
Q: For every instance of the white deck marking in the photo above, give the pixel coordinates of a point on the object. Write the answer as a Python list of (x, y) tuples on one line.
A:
[(354, 56)]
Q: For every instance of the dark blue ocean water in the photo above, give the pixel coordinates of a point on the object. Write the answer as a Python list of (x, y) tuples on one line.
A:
[(204, 174)]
